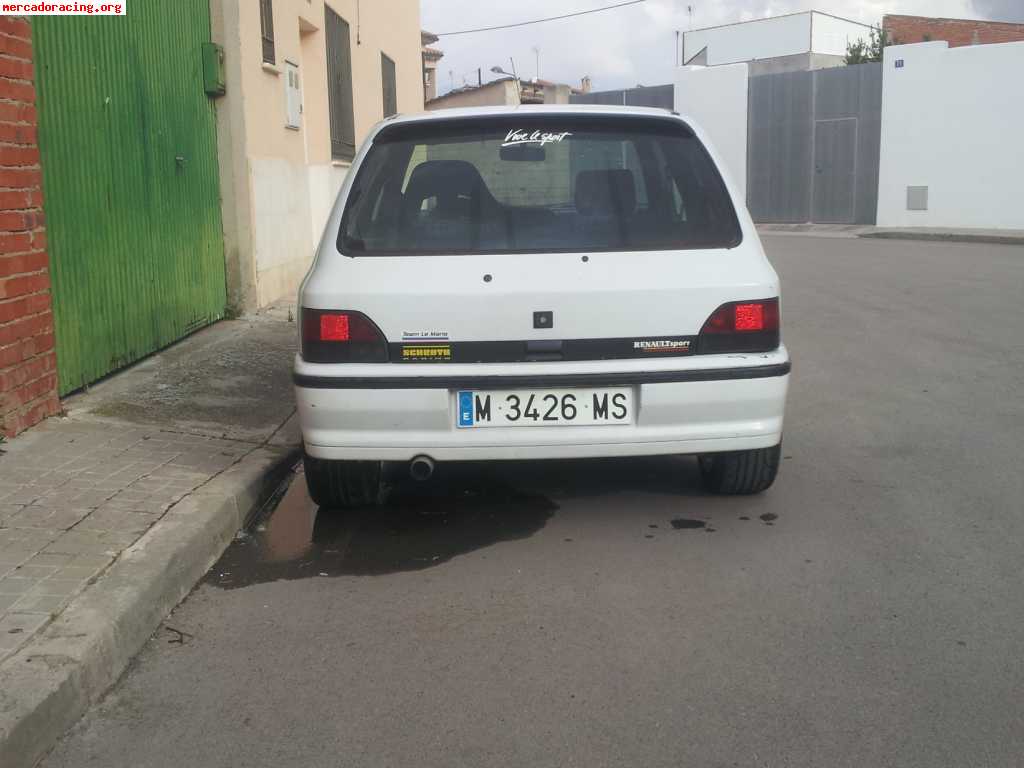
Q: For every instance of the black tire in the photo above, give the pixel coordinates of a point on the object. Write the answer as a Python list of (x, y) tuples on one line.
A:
[(343, 484), (740, 472)]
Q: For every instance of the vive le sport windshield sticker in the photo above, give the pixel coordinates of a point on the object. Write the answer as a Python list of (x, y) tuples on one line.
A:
[(517, 137)]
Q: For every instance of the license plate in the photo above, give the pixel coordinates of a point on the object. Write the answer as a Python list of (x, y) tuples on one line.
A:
[(545, 407)]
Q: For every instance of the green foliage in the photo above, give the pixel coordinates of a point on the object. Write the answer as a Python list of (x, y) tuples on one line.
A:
[(862, 52)]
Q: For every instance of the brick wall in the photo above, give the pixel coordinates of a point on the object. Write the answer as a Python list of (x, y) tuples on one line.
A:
[(28, 362), (915, 29)]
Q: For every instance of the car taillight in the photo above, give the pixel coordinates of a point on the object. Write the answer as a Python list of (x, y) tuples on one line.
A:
[(741, 326), (341, 336)]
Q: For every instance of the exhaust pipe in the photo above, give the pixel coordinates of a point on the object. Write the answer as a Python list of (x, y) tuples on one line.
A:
[(421, 468)]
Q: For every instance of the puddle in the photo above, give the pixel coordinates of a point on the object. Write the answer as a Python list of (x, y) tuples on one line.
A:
[(421, 526)]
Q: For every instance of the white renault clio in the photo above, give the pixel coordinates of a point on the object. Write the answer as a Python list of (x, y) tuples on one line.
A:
[(538, 283)]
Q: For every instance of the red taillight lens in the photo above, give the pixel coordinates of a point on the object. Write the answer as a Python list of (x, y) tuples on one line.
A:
[(748, 317), (742, 326), (744, 316), (332, 336), (333, 327)]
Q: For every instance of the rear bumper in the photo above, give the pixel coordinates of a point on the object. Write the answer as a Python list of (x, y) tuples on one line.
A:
[(703, 404)]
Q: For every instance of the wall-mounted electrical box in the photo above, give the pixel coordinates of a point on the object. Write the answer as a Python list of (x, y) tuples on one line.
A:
[(213, 69)]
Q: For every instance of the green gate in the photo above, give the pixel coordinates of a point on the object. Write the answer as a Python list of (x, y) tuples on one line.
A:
[(130, 187)]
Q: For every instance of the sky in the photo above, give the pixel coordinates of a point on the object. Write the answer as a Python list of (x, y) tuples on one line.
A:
[(632, 45)]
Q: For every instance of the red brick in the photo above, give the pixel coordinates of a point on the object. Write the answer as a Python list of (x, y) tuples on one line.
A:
[(20, 178), (28, 362), (12, 309), (23, 285), (38, 302), (23, 263), (15, 242), (957, 32), (31, 414), (28, 371), (13, 222), (12, 201), (16, 331), (26, 328), (26, 393), (18, 133), (16, 27), (16, 46), (18, 156), (17, 113), (17, 90), (16, 69), (10, 355), (42, 343)]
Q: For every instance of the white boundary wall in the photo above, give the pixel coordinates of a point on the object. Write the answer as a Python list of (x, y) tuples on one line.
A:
[(716, 99), (787, 35), (953, 121)]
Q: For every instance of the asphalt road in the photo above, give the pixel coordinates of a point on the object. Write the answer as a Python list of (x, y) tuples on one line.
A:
[(868, 610)]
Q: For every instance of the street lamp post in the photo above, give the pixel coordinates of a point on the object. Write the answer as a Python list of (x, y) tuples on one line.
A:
[(499, 71)]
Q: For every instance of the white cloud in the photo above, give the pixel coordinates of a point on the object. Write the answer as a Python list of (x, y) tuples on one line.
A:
[(625, 46)]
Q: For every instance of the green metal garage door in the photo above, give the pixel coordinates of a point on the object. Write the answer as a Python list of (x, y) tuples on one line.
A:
[(130, 187)]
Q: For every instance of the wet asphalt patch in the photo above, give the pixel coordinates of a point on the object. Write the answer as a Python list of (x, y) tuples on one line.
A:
[(420, 526), (463, 508)]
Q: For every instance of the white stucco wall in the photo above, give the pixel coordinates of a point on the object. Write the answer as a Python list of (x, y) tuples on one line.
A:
[(831, 35), (952, 121), (795, 33), (716, 99), (758, 39)]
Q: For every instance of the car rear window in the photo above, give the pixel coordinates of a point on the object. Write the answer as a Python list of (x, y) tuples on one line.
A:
[(521, 184)]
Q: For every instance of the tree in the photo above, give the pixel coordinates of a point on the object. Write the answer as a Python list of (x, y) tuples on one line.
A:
[(862, 52)]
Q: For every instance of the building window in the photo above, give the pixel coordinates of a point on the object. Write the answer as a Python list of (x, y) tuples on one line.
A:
[(267, 29), (339, 86), (387, 77)]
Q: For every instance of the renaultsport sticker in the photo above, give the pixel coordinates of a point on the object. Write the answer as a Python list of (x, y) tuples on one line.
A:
[(662, 345)]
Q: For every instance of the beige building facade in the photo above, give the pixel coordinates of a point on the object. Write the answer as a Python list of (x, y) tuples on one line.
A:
[(306, 80)]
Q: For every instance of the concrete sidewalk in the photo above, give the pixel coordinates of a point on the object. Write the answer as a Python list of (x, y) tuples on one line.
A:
[(949, 235), (109, 515)]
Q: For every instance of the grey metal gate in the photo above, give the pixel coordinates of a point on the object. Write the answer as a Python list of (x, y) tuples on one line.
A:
[(835, 180), (813, 145), (651, 96)]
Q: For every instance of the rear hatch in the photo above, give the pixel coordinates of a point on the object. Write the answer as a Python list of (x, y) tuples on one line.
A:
[(556, 236)]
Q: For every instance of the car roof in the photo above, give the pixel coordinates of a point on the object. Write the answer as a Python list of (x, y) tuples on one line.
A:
[(525, 110)]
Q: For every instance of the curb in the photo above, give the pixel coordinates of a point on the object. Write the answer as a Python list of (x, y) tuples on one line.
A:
[(948, 237), (48, 685)]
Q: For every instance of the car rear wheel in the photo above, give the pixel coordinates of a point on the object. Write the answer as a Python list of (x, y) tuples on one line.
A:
[(740, 472), (343, 484)]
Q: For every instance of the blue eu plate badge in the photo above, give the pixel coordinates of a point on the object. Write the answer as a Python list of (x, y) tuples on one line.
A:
[(465, 409)]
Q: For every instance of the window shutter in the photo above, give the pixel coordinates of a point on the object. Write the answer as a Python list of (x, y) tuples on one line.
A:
[(267, 29), (293, 96), (339, 86), (387, 76)]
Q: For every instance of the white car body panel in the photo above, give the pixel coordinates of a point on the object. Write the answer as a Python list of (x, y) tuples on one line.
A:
[(606, 294)]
